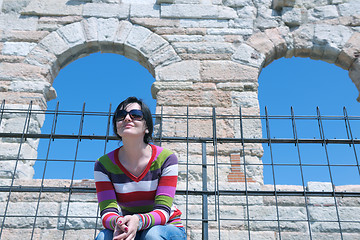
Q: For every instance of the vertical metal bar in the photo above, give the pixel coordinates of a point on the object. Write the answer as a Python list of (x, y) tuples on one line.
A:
[(301, 169), (273, 170), (187, 168), (350, 136), (74, 167), (105, 149), (216, 172), (245, 174), (53, 127), (161, 126), (28, 114), (322, 133), (2, 110), (205, 215)]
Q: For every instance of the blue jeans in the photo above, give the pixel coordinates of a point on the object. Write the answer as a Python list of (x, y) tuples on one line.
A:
[(166, 232)]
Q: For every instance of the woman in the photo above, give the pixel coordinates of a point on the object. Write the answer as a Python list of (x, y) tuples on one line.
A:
[(138, 177)]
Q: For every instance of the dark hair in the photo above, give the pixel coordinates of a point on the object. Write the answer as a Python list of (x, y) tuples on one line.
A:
[(147, 116)]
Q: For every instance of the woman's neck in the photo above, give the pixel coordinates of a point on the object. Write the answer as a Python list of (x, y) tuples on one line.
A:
[(133, 152)]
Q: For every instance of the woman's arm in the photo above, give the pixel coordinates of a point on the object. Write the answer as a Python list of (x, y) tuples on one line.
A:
[(164, 197), (106, 196)]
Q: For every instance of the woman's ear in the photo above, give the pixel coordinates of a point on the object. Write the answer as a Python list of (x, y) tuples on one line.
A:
[(146, 131)]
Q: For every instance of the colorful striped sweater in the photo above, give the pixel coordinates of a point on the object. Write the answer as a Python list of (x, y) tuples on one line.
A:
[(149, 195)]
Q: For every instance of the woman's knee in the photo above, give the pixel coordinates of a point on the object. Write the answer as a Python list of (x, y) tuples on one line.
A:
[(105, 234), (163, 232)]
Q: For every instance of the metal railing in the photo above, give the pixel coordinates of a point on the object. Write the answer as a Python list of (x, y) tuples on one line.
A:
[(212, 191)]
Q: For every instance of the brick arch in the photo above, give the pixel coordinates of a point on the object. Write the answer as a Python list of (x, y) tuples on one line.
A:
[(331, 43), (80, 39)]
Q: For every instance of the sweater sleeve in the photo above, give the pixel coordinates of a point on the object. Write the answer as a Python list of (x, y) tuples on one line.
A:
[(106, 196), (164, 197)]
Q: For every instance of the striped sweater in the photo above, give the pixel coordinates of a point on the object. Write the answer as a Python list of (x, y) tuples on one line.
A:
[(149, 195)]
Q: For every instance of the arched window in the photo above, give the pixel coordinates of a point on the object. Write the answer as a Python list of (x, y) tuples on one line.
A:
[(97, 80), (306, 84)]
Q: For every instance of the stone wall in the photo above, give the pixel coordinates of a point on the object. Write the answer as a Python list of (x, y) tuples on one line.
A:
[(202, 54)]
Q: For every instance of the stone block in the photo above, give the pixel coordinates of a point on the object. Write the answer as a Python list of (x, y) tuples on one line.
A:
[(203, 23), (354, 73), (54, 44), (160, 86), (329, 40), (22, 171), (279, 42), (72, 34), (22, 72), (351, 8), (346, 56), (245, 99), (227, 71), (86, 212), (22, 215), (25, 36), (303, 43), (238, 3), (120, 11), (13, 22), (52, 7), (180, 71), (194, 98), (136, 38), (123, 32), (247, 55), (261, 43), (294, 16), (204, 47), (17, 48), (144, 11), (151, 44), (229, 31), (11, 6), (241, 23), (43, 58), (156, 22), (197, 11), (164, 56), (323, 13), (270, 213)]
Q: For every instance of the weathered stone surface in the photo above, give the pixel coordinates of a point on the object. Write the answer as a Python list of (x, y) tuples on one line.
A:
[(77, 209), (54, 43), (346, 56), (52, 7), (248, 56), (13, 22), (144, 11), (17, 48), (328, 40), (294, 16), (194, 98), (120, 11), (21, 71), (181, 71), (25, 36), (224, 71), (196, 11), (324, 12)]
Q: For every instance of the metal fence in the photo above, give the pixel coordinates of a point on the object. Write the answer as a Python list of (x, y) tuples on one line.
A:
[(309, 162)]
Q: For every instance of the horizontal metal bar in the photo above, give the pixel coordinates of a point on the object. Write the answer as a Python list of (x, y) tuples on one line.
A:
[(190, 192), (181, 139)]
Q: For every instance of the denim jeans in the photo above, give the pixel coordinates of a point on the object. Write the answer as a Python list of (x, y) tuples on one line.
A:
[(166, 232)]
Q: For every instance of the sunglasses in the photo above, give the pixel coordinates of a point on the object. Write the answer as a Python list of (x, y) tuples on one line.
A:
[(134, 115)]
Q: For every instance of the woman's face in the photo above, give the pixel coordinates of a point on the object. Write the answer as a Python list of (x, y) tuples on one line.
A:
[(129, 127)]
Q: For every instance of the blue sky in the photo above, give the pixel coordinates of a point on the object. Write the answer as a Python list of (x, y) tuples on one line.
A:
[(101, 79)]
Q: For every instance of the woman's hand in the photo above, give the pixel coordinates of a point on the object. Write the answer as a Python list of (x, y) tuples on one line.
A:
[(126, 228)]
